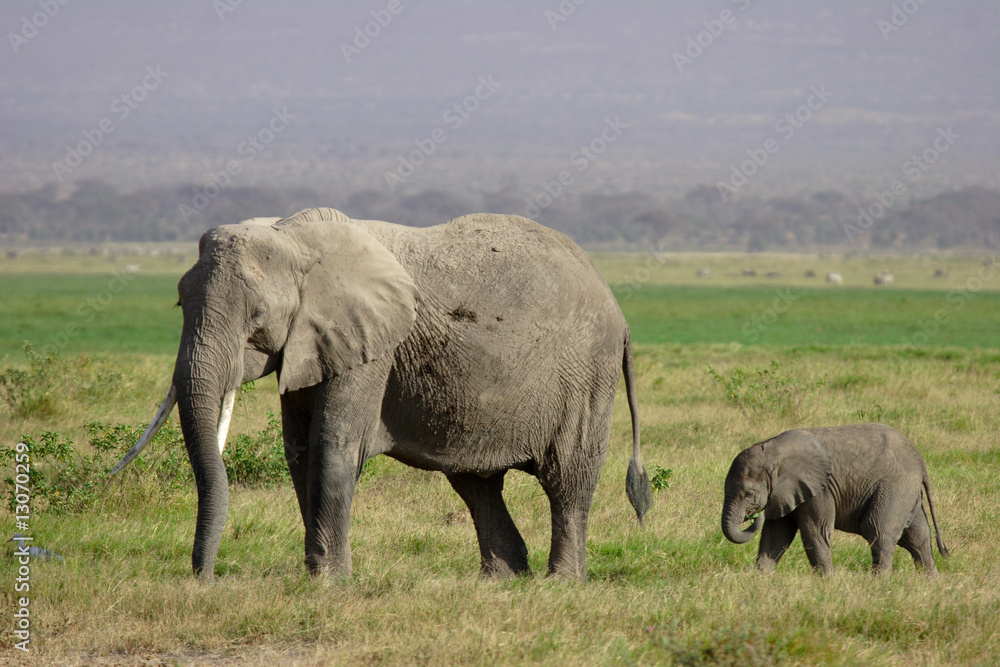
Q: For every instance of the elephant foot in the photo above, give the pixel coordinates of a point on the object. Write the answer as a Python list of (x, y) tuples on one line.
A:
[(766, 566), (326, 568), (501, 570), (567, 576)]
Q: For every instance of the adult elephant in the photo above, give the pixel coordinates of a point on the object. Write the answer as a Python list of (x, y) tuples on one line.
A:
[(485, 344)]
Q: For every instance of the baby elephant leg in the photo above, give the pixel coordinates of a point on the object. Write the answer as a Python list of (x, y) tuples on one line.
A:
[(775, 538), (890, 512), (916, 539), (816, 519)]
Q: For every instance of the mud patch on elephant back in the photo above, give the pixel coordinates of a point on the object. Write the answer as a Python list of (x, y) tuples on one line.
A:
[(463, 314)]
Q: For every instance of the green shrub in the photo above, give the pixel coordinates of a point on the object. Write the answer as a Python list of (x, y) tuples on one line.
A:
[(65, 478), (875, 414), (742, 645), (258, 460), (660, 479), (769, 393), (40, 391)]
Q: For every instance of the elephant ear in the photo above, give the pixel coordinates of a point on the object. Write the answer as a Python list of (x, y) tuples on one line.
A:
[(357, 302), (803, 468)]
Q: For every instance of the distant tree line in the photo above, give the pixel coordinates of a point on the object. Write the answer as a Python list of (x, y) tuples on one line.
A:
[(97, 212)]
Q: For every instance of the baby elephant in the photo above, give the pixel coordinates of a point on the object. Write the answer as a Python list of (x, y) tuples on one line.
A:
[(863, 479)]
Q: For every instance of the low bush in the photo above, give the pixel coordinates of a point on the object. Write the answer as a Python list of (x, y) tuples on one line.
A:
[(769, 393), (67, 478), (258, 460), (50, 382)]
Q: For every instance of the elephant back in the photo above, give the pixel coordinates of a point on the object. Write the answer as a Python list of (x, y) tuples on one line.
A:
[(315, 214)]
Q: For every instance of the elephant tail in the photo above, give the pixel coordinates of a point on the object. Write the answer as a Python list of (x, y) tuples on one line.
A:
[(942, 549), (637, 486)]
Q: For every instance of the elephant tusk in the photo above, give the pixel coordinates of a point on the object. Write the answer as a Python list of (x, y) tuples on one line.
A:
[(225, 415), (161, 417)]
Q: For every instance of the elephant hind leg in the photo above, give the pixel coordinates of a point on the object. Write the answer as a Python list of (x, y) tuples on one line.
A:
[(569, 473), (570, 493), (501, 546), (889, 513), (568, 553), (916, 539)]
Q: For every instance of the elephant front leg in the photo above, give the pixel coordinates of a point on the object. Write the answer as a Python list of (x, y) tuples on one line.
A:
[(775, 538), (332, 480), (295, 420), (501, 547), (344, 432), (816, 519), (322, 480)]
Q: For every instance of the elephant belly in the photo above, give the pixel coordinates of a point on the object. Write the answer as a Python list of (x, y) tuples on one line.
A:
[(483, 435), (484, 412)]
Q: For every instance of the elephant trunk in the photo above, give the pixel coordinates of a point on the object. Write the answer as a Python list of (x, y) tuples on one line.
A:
[(205, 390), (733, 516), (199, 417)]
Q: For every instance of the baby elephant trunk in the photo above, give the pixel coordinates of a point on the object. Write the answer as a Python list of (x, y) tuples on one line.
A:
[(733, 516)]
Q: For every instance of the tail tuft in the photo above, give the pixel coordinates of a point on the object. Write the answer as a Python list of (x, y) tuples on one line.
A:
[(942, 549), (638, 489)]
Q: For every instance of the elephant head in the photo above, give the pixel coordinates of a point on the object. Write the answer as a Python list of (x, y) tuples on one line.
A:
[(310, 296), (773, 477)]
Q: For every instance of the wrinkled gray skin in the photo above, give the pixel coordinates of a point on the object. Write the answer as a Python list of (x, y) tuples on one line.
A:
[(482, 345), (864, 479)]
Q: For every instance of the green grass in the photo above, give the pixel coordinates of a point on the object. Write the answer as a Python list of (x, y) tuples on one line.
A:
[(812, 316), (91, 307), (672, 592), (75, 313)]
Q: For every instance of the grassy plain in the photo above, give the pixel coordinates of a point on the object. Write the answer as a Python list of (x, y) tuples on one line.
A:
[(672, 592)]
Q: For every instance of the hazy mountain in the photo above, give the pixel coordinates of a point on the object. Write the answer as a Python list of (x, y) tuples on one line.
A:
[(694, 89)]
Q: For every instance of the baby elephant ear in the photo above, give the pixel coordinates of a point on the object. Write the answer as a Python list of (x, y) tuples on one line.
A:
[(802, 469), (357, 303)]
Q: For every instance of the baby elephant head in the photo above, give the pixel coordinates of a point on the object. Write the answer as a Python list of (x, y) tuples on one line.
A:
[(773, 477)]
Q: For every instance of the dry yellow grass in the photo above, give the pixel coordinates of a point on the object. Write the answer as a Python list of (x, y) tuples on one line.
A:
[(672, 592)]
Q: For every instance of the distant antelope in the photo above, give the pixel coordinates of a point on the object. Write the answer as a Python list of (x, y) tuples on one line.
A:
[(884, 278)]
